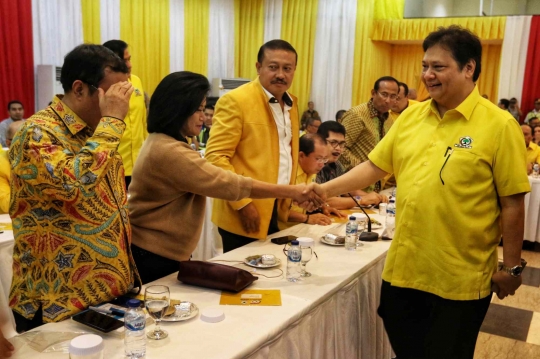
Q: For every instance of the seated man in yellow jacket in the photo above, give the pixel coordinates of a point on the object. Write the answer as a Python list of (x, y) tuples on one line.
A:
[(5, 171), (313, 155), (401, 103), (533, 151)]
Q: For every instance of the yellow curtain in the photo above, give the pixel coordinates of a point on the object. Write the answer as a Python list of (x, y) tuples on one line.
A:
[(371, 59), (196, 24), (144, 25), (298, 25), (406, 66), (249, 36), (91, 21), (389, 9), (487, 28), (488, 82)]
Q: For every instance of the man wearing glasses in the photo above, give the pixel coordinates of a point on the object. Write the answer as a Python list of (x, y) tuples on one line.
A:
[(68, 201), (312, 125), (334, 134), (311, 159), (367, 123)]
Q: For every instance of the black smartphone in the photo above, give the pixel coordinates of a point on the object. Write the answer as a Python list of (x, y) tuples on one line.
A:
[(283, 240), (98, 321)]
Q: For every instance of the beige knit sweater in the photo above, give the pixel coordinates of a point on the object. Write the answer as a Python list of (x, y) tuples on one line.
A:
[(168, 190)]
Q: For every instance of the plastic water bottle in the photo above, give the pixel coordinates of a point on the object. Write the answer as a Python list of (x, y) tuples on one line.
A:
[(390, 226), (536, 170), (293, 262), (135, 335), (351, 234)]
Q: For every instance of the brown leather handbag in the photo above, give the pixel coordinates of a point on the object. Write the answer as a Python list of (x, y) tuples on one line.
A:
[(214, 276)]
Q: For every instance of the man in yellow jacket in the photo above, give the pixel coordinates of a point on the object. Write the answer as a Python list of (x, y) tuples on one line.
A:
[(136, 131), (255, 134), (5, 170)]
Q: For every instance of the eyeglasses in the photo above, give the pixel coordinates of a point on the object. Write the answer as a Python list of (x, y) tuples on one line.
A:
[(447, 154), (386, 96), (321, 160), (336, 144)]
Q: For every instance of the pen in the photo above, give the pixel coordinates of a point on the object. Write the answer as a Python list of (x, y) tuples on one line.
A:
[(114, 311)]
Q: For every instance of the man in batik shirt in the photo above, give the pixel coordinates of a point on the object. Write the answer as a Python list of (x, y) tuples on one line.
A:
[(72, 233)]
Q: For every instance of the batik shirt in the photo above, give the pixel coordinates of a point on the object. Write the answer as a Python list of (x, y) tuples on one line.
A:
[(68, 207), (365, 128)]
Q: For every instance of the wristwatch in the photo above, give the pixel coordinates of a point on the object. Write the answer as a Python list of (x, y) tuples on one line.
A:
[(514, 271)]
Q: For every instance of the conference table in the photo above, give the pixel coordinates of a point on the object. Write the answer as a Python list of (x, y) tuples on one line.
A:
[(532, 211), (331, 314)]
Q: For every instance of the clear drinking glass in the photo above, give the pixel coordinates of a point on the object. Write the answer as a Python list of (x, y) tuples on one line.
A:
[(157, 299), (307, 253), (362, 225)]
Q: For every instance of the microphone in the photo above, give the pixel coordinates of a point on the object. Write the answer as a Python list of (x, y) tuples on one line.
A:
[(368, 236)]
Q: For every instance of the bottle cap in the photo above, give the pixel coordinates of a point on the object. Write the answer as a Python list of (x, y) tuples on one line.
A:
[(212, 315), (133, 303), (87, 344), (352, 218), (294, 243)]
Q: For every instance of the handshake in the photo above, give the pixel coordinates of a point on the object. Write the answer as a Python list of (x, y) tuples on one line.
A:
[(310, 197)]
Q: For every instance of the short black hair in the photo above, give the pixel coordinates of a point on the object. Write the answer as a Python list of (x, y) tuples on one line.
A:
[(307, 142), (504, 102), (462, 44), (117, 46), (14, 102), (405, 87), (178, 96), (210, 107), (330, 126), (339, 114), (311, 120), (537, 100), (275, 45), (87, 63), (385, 78)]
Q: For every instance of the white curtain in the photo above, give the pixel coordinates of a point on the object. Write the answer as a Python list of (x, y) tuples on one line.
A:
[(109, 12), (331, 84), (514, 56), (221, 39), (56, 28), (176, 35), (272, 19)]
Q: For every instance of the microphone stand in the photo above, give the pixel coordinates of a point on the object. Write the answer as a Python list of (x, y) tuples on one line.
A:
[(368, 236)]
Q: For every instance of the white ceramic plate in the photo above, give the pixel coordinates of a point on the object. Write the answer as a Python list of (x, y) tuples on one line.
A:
[(323, 239), (180, 313), (255, 262)]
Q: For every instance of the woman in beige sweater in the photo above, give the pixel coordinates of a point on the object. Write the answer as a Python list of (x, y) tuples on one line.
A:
[(170, 180)]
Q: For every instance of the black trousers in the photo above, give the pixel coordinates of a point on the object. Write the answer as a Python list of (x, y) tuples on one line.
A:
[(232, 241), (23, 324), (421, 325), (152, 266)]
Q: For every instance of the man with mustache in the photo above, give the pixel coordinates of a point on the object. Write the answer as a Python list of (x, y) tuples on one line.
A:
[(367, 123), (255, 134)]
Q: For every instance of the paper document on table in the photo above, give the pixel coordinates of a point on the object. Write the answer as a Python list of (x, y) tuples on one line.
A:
[(252, 297), (6, 226), (347, 213)]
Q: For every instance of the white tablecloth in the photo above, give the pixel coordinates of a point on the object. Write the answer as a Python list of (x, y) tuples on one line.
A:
[(329, 315), (532, 211)]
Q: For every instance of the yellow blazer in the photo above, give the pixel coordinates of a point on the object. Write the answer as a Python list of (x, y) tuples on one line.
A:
[(244, 139), (5, 178), (135, 133)]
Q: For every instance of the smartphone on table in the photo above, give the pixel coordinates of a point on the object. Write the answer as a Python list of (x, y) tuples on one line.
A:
[(283, 240)]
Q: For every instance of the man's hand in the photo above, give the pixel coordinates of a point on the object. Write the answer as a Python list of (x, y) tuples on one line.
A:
[(115, 102), (319, 218), (6, 348), (503, 284), (310, 197), (327, 211), (250, 218), (373, 198)]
